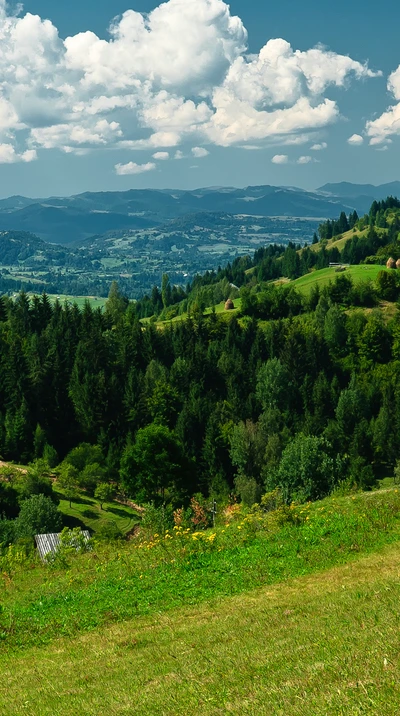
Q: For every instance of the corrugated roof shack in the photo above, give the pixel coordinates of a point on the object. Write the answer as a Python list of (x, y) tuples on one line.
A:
[(50, 543)]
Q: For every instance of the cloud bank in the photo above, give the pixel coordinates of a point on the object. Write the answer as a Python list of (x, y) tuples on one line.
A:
[(380, 130), (180, 74)]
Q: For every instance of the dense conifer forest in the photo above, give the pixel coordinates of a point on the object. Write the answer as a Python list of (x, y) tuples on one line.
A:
[(294, 391)]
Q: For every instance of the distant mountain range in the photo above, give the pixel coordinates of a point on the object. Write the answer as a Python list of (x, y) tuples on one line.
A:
[(353, 191), (72, 220)]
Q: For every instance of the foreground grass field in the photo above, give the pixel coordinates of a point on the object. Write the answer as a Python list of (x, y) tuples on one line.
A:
[(293, 612), (327, 644)]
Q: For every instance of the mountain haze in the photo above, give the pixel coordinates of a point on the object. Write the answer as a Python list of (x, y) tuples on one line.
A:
[(71, 220)]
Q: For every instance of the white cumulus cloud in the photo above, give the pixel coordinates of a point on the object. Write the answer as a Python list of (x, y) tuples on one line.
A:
[(280, 159), (8, 155), (200, 152), (319, 147), (179, 74), (133, 168), (388, 124), (305, 160), (161, 156), (355, 140)]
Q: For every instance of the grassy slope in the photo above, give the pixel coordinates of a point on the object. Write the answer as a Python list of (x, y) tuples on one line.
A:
[(327, 644), (363, 272), (87, 513), (339, 243), (94, 301), (287, 643), (219, 308)]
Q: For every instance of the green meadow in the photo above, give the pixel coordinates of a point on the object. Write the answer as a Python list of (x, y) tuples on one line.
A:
[(287, 612), (363, 272)]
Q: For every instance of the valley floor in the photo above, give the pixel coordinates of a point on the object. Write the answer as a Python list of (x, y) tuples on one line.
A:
[(326, 643)]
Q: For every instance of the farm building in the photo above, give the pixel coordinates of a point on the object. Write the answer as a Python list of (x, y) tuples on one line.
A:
[(50, 543)]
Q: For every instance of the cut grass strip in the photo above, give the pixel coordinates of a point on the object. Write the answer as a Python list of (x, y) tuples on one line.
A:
[(326, 644)]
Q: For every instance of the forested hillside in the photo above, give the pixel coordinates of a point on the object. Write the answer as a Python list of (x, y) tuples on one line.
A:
[(370, 240), (204, 405), (296, 390)]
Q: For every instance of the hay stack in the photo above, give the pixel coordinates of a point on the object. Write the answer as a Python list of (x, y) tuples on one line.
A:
[(229, 305), (391, 263), (398, 263)]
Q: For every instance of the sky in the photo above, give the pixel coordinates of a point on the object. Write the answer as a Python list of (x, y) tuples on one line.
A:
[(103, 95)]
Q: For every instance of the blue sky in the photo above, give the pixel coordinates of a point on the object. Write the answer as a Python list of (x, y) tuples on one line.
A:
[(189, 97)]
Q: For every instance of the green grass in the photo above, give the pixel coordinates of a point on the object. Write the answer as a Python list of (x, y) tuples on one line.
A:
[(363, 272), (118, 583), (95, 301), (339, 241), (269, 616), (87, 513), (325, 645), (219, 308)]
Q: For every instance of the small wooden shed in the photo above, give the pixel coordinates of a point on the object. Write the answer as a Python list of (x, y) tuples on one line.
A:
[(229, 305), (391, 263), (50, 543)]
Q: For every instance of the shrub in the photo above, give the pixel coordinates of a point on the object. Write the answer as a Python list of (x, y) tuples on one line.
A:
[(248, 490), (37, 482), (83, 455), (50, 456), (156, 520), (38, 515), (108, 531)]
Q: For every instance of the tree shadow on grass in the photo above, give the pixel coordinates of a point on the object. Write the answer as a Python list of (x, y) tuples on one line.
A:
[(90, 514), (71, 522), (83, 501), (119, 512), (76, 500)]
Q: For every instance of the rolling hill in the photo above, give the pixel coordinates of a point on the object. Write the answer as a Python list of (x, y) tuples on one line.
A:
[(70, 220), (322, 277), (370, 191)]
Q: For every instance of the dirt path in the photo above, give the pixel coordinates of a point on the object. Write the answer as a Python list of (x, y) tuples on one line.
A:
[(14, 467)]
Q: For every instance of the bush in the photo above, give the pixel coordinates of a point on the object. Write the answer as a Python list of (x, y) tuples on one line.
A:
[(6, 532), (9, 505), (272, 501), (38, 515), (108, 531), (83, 455), (36, 482), (248, 490), (156, 520)]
